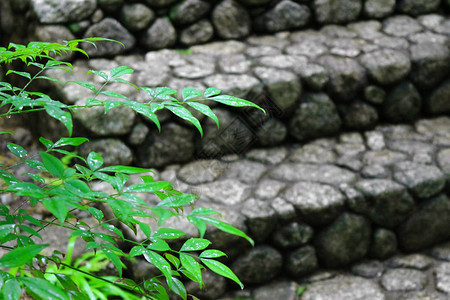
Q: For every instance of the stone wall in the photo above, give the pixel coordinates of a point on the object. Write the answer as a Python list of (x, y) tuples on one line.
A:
[(157, 24)]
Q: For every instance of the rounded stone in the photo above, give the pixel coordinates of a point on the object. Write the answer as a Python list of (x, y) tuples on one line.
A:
[(259, 265), (214, 286), (359, 115), (344, 241), (374, 94), (368, 269), (301, 261), (271, 133), (401, 26), (292, 235), (316, 116), (161, 34), (384, 244), (337, 11), (136, 16), (113, 151), (231, 20), (417, 7), (189, 11), (63, 11), (286, 15), (386, 66), (404, 280), (160, 3), (201, 171), (378, 8), (197, 33), (402, 104)]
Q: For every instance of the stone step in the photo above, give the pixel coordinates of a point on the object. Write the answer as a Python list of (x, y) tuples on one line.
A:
[(312, 83)]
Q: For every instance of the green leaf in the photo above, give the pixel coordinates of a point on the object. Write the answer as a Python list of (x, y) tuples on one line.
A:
[(70, 142), (221, 269), (234, 101), (159, 262), (177, 287), (120, 71), (20, 256), (137, 250), (195, 244), (204, 211), (44, 289), (186, 115), (99, 73), (60, 115), (301, 290), (30, 230), (164, 93), (11, 290), (148, 187), (204, 109), (47, 143), (94, 161), (66, 282), (114, 229), (167, 233), (77, 187), (212, 254), (23, 74), (125, 169), (191, 265), (53, 165), (190, 93), (173, 260), (97, 213), (158, 245), (17, 150), (200, 224), (163, 214), (144, 110), (114, 258), (177, 201), (87, 85), (211, 91), (27, 189), (226, 228), (113, 94), (58, 207)]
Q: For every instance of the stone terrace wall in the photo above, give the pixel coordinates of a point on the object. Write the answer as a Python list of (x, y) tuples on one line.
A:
[(157, 24)]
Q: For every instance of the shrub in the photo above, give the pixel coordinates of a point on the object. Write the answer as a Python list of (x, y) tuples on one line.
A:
[(65, 190)]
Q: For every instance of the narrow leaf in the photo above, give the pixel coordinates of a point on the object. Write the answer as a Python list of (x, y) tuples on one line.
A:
[(11, 290), (61, 115), (17, 150), (221, 269), (212, 254), (204, 109), (195, 244), (53, 165), (20, 256), (44, 289), (186, 115), (120, 71), (177, 201), (212, 91), (97, 213), (125, 169), (94, 161), (190, 93), (234, 101), (226, 228)]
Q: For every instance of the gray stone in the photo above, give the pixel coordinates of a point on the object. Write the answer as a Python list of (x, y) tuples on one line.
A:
[(422, 295), (286, 290), (328, 174), (318, 204), (423, 181), (337, 32), (437, 102), (417, 7), (286, 15), (110, 5), (214, 286), (271, 133), (344, 241), (383, 157), (414, 236), (283, 61), (232, 137), (374, 94), (189, 11), (301, 261), (429, 64), (138, 134), (197, 33), (245, 171), (292, 235), (113, 151), (386, 66), (283, 86), (442, 273), (62, 11), (308, 48), (404, 280), (346, 76), (390, 203), (261, 219), (441, 251), (259, 265), (428, 37), (271, 156), (412, 261), (227, 191), (375, 140), (400, 26), (384, 244), (354, 199), (136, 16), (375, 171), (343, 287), (194, 71), (337, 11), (111, 29), (231, 20), (443, 159), (366, 29), (378, 8), (118, 121), (314, 75), (395, 43), (97, 16), (427, 127), (278, 41), (359, 115), (316, 116), (402, 104), (236, 85), (268, 189), (235, 64), (312, 154), (368, 269), (349, 162), (201, 171), (351, 138), (220, 48), (284, 209), (176, 144), (161, 34)]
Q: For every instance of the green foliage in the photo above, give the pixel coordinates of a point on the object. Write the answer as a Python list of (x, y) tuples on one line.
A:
[(65, 189)]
